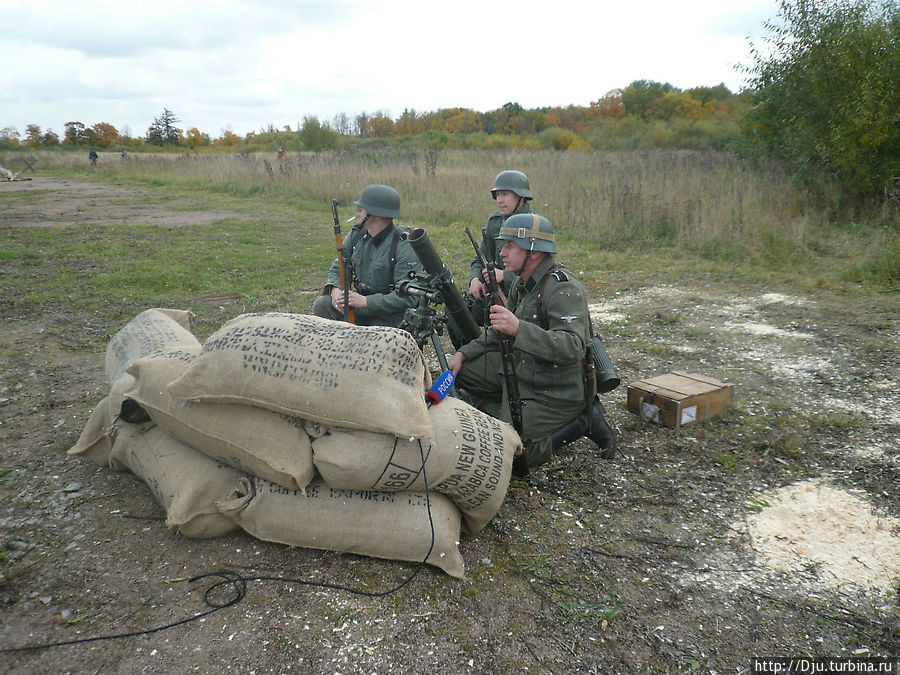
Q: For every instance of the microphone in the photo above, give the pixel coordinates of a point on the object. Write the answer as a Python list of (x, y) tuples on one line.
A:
[(441, 387)]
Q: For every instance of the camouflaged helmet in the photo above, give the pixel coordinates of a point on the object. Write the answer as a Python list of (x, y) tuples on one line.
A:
[(530, 232), (514, 181), (380, 200)]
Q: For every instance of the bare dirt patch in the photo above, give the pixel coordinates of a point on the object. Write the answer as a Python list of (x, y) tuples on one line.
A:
[(652, 562), (62, 202)]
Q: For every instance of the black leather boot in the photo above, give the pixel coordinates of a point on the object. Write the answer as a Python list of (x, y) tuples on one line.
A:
[(569, 432), (601, 433)]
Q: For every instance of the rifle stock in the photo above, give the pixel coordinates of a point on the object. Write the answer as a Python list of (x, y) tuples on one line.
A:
[(349, 314), (520, 462)]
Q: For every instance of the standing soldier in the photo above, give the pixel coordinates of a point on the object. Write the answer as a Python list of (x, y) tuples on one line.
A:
[(548, 320), (512, 193), (380, 257)]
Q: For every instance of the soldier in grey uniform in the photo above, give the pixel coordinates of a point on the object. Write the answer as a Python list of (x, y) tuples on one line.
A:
[(547, 317), (513, 195), (380, 257)]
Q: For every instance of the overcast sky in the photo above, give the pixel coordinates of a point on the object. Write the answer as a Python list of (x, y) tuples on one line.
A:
[(244, 64)]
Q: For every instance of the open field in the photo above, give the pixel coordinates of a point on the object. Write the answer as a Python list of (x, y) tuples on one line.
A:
[(673, 557)]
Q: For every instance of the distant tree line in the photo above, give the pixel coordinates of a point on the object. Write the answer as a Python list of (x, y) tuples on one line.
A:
[(643, 100)]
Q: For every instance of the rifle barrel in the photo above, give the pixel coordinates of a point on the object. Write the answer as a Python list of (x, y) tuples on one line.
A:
[(349, 314)]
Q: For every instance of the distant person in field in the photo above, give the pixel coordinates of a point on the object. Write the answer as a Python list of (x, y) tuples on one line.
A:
[(124, 154), (93, 157), (379, 258), (281, 153)]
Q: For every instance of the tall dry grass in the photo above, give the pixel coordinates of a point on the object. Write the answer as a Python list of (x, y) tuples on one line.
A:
[(708, 204)]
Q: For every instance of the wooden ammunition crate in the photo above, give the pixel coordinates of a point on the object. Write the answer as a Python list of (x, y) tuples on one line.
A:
[(679, 398)]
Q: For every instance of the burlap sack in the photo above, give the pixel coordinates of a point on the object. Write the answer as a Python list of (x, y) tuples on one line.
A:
[(469, 460), (254, 440), (95, 440), (393, 525), (149, 332), (184, 481), (357, 377)]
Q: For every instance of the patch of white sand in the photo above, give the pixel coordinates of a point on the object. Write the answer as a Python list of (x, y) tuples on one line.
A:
[(765, 329), (813, 526)]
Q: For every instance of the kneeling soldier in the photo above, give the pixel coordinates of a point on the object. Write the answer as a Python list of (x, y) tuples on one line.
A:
[(548, 321)]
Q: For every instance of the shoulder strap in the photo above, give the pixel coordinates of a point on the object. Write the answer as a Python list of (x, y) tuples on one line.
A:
[(395, 242)]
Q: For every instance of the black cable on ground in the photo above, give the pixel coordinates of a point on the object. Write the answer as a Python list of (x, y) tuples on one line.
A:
[(238, 585)]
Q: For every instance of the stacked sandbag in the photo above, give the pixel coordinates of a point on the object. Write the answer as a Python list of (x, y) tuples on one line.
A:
[(469, 459), (151, 331), (184, 481), (357, 377), (408, 526), (253, 440), (121, 435), (148, 332)]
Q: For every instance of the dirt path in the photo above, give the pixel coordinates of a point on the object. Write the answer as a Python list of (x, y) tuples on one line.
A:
[(47, 202), (694, 550)]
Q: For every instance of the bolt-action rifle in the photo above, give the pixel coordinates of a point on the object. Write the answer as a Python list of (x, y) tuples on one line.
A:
[(520, 462), (349, 314)]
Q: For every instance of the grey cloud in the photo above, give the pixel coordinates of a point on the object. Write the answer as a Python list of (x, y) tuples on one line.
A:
[(70, 26)]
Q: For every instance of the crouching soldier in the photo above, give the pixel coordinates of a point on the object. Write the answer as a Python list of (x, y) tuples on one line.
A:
[(380, 257), (548, 322)]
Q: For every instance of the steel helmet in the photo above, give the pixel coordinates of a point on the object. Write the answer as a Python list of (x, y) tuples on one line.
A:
[(380, 200), (530, 232), (514, 181)]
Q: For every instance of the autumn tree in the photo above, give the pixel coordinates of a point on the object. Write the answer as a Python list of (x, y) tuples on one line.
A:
[(409, 123), (675, 105), (104, 134), (228, 138), (33, 136), (609, 107), (379, 125), (195, 138), (463, 121)]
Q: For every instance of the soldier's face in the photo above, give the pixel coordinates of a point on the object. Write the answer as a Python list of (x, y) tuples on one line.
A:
[(507, 202), (513, 256), (360, 214)]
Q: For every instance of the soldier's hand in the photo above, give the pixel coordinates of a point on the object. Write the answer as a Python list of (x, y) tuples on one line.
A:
[(455, 362), (358, 301), (476, 288), (503, 321), (337, 299), (499, 274)]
